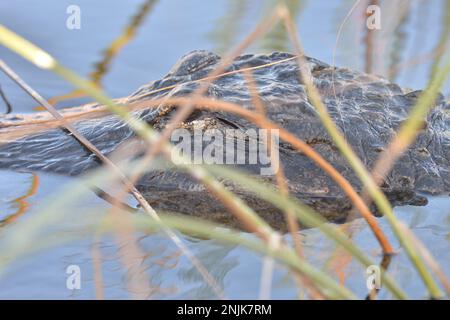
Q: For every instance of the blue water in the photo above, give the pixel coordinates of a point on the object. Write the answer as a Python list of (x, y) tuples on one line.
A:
[(171, 29)]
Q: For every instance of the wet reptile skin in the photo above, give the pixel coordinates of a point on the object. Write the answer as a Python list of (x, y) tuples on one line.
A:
[(368, 110)]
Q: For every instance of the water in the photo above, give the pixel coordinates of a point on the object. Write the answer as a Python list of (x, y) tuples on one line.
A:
[(170, 29)]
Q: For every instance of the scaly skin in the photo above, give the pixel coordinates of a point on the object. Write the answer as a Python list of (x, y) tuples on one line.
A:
[(368, 109)]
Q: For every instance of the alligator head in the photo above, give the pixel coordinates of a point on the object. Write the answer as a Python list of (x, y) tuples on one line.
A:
[(368, 110)]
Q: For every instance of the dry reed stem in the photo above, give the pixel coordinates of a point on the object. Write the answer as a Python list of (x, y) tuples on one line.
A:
[(369, 42), (110, 52), (338, 36), (292, 223)]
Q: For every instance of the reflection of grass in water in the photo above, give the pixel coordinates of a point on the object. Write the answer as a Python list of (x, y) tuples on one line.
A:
[(22, 202), (5, 101), (351, 34), (284, 254)]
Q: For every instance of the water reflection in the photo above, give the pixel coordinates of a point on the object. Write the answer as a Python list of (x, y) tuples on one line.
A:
[(171, 276), (22, 202), (5, 101)]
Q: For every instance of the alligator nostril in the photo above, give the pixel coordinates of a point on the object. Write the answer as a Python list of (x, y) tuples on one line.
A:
[(423, 151), (414, 94)]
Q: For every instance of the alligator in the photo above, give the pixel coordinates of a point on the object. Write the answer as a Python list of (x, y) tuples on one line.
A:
[(367, 108)]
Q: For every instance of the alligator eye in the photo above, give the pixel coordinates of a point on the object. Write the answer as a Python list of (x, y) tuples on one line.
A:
[(378, 149)]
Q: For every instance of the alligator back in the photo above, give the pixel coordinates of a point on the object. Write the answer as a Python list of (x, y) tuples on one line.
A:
[(368, 110)]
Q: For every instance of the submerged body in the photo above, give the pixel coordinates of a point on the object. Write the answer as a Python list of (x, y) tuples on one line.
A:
[(367, 109)]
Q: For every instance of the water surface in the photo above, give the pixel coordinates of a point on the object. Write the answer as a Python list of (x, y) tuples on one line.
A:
[(166, 30)]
